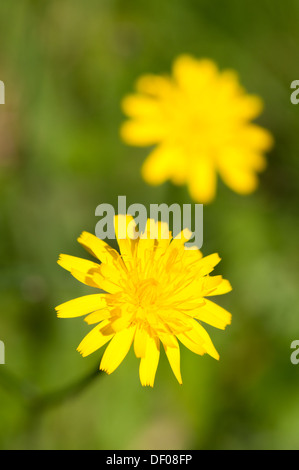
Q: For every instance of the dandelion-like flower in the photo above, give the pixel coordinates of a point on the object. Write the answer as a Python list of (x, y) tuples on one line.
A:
[(155, 292), (199, 121)]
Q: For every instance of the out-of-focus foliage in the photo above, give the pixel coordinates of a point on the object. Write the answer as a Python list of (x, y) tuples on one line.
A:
[(66, 66)]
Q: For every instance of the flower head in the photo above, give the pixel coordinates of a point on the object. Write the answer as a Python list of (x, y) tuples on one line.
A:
[(199, 120), (155, 293)]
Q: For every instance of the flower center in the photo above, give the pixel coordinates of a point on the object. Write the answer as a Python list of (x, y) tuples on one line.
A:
[(147, 293)]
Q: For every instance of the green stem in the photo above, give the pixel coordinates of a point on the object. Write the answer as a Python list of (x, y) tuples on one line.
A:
[(37, 402)]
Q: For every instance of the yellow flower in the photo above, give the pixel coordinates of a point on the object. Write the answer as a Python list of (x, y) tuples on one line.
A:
[(200, 120), (155, 293)]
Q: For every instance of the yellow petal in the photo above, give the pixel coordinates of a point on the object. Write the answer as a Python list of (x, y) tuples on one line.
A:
[(192, 257), (73, 262), (255, 161), (194, 347), (241, 180), (214, 315), (167, 338), (96, 338), (184, 235), (117, 349), (96, 279), (202, 181), (140, 342), (89, 279), (192, 74), (173, 355), (149, 363), (160, 165), (90, 273), (155, 86), (255, 138), (210, 284), (124, 227), (146, 247), (198, 340), (140, 106), (223, 288), (121, 322), (141, 133), (247, 107), (97, 316), (98, 248), (81, 306), (207, 264)]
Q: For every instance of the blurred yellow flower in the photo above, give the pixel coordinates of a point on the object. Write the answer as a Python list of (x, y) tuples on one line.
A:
[(156, 293), (200, 120)]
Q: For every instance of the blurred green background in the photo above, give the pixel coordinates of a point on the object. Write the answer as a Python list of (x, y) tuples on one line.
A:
[(66, 66)]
